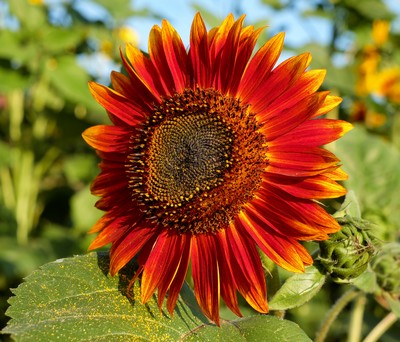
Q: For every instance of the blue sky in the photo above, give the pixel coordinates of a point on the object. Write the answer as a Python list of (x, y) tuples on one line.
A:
[(180, 14), (299, 30)]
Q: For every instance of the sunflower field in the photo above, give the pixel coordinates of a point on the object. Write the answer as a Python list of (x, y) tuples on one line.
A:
[(200, 170)]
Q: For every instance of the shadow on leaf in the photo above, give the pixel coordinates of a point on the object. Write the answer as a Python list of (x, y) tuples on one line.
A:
[(190, 307)]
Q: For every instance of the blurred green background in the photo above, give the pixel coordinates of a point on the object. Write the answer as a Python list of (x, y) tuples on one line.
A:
[(49, 50)]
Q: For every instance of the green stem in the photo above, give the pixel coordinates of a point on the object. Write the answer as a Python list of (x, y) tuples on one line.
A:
[(28, 177), (357, 319), (341, 303), (7, 188), (16, 99), (381, 327), (396, 129), (24, 186)]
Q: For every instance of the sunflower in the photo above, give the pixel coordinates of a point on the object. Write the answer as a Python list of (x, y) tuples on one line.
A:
[(211, 153)]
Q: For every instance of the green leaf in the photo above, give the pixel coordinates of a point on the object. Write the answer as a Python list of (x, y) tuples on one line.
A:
[(9, 44), (373, 166), (367, 281), (372, 9), (254, 328), (350, 206), (12, 80), (119, 9), (393, 303), (298, 289), (84, 213), (31, 16), (75, 299), (57, 39), (70, 80)]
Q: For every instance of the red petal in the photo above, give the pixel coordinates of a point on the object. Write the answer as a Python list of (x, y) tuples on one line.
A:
[(123, 250), (110, 200), (175, 54), (118, 157), (290, 118), (248, 39), (276, 83), (107, 182), (159, 59), (329, 103), (199, 54), (304, 216), (298, 161), (108, 138), (337, 174), (162, 264), (122, 110), (314, 133), (134, 89), (306, 85), (317, 187), (177, 282), (144, 70), (289, 226), (217, 39), (247, 269), (280, 249), (227, 282), (266, 57), (205, 275), (224, 63), (113, 231)]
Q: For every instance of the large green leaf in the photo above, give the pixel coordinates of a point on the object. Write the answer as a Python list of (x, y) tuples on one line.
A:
[(30, 16), (256, 328), (12, 80), (70, 80), (373, 166), (59, 39), (298, 289), (372, 9), (75, 299)]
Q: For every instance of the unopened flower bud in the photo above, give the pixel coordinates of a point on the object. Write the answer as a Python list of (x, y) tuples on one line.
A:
[(386, 266), (346, 254)]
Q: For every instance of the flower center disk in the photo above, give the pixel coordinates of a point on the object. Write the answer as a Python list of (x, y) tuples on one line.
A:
[(187, 155), (196, 161)]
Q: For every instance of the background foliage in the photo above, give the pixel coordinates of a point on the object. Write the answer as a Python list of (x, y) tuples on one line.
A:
[(48, 52)]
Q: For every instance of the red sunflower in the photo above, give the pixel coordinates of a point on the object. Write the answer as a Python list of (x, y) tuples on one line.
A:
[(212, 152)]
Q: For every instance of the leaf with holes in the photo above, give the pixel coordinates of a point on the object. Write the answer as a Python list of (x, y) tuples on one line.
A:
[(75, 299)]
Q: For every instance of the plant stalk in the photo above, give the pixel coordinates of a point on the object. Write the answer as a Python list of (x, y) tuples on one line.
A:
[(381, 327), (356, 320), (340, 304)]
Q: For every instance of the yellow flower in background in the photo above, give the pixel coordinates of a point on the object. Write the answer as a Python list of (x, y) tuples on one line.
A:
[(36, 2), (123, 34), (367, 70), (360, 112), (375, 119), (380, 31), (106, 46), (128, 35), (387, 84)]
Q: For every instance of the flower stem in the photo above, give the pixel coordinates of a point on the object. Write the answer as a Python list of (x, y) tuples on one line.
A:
[(341, 303), (381, 327), (357, 319)]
